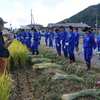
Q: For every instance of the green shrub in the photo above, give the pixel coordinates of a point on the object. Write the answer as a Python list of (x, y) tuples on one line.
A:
[(18, 54)]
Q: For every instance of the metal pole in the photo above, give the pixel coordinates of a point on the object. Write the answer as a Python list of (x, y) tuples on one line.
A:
[(31, 17)]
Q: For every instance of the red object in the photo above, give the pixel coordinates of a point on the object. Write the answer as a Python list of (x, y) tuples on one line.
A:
[(2, 65), (98, 83)]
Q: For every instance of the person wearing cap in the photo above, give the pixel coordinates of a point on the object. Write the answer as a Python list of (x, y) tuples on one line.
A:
[(58, 42), (4, 53), (64, 41), (71, 44), (77, 36), (88, 45)]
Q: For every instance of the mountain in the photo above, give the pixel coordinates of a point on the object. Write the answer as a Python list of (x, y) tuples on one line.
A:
[(87, 16)]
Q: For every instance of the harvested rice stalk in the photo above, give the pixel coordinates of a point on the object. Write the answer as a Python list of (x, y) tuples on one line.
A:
[(84, 93), (46, 65), (74, 78), (40, 60)]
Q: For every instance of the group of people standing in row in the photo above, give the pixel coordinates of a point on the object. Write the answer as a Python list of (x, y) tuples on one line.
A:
[(65, 41), (31, 39), (68, 41)]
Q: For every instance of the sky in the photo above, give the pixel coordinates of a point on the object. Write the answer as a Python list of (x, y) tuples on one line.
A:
[(17, 12)]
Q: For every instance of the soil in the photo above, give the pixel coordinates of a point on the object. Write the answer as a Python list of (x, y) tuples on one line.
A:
[(23, 80)]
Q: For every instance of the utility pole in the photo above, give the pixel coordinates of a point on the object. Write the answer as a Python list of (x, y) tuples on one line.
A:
[(31, 17)]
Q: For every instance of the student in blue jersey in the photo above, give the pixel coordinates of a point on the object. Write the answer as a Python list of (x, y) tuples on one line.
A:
[(46, 38), (77, 36), (22, 36), (51, 37), (64, 40), (28, 38), (36, 41), (19, 36), (93, 37), (40, 35), (88, 45), (58, 42), (71, 44), (98, 43)]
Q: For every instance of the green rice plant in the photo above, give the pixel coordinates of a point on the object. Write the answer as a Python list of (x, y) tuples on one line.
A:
[(84, 93), (5, 87), (18, 54)]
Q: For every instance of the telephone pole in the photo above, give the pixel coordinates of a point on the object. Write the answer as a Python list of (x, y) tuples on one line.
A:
[(31, 17)]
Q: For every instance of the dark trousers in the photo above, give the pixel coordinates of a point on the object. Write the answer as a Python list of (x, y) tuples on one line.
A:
[(65, 51), (58, 48), (88, 56), (72, 57)]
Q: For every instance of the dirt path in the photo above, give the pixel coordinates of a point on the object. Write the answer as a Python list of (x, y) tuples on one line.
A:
[(23, 84)]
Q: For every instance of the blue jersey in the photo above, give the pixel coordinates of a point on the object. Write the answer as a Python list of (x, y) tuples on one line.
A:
[(57, 37), (37, 36), (51, 35), (76, 39), (89, 41), (71, 40), (46, 35), (64, 37)]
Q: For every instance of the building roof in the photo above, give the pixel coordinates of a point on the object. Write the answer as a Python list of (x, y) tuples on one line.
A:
[(30, 26), (80, 25), (25, 27)]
